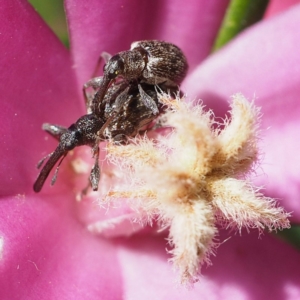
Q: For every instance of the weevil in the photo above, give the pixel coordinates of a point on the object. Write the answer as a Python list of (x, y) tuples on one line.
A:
[(123, 114), (150, 61), (119, 108)]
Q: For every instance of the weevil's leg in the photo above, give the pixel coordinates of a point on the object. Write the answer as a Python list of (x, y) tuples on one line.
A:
[(55, 130), (119, 104), (120, 139), (97, 100), (148, 101), (122, 100), (94, 83), (95, 172), (106, 57)]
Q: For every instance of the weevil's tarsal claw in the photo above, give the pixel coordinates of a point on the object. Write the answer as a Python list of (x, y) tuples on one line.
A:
[(53, 159), (148, 101)]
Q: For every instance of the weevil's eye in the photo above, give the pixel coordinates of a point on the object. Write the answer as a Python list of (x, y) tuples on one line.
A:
[(114, 67)]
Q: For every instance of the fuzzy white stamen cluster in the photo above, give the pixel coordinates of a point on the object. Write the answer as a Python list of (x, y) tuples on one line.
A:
[(192, 179)]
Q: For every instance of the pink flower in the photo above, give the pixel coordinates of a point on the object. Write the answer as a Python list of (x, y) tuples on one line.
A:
[(46, 252)]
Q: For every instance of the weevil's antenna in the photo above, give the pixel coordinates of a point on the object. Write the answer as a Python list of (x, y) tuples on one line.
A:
[(40, 163), (53, 180), (55, 156)]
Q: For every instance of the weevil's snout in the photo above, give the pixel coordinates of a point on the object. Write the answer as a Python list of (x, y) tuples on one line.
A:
[(59, 153), (68, 141), (114, 67)]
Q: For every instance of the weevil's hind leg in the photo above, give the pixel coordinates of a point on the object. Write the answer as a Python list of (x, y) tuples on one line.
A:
[(55, 130), (148, 101)]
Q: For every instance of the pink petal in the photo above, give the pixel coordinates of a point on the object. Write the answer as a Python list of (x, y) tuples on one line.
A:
[(278, 6), (111, 26), (47, 254), (37, 86), (263, 62), (244, 268), (93, 29)]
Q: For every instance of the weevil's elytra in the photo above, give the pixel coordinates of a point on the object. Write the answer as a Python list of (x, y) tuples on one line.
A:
[(119, 109), (165, 62)]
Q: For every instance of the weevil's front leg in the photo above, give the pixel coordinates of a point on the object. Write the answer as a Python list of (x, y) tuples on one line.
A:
[(95, 172), (148, 101), (55, 130), (103, 56), (95, 84)]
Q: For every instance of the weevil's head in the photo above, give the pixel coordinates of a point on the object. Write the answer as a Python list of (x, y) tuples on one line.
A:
[(114, 67), (70, 139), (83, 132)]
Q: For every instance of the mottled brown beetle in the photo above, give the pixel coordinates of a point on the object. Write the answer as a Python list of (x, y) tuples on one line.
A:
[(123, 115), (152, 62), (119, 108)]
